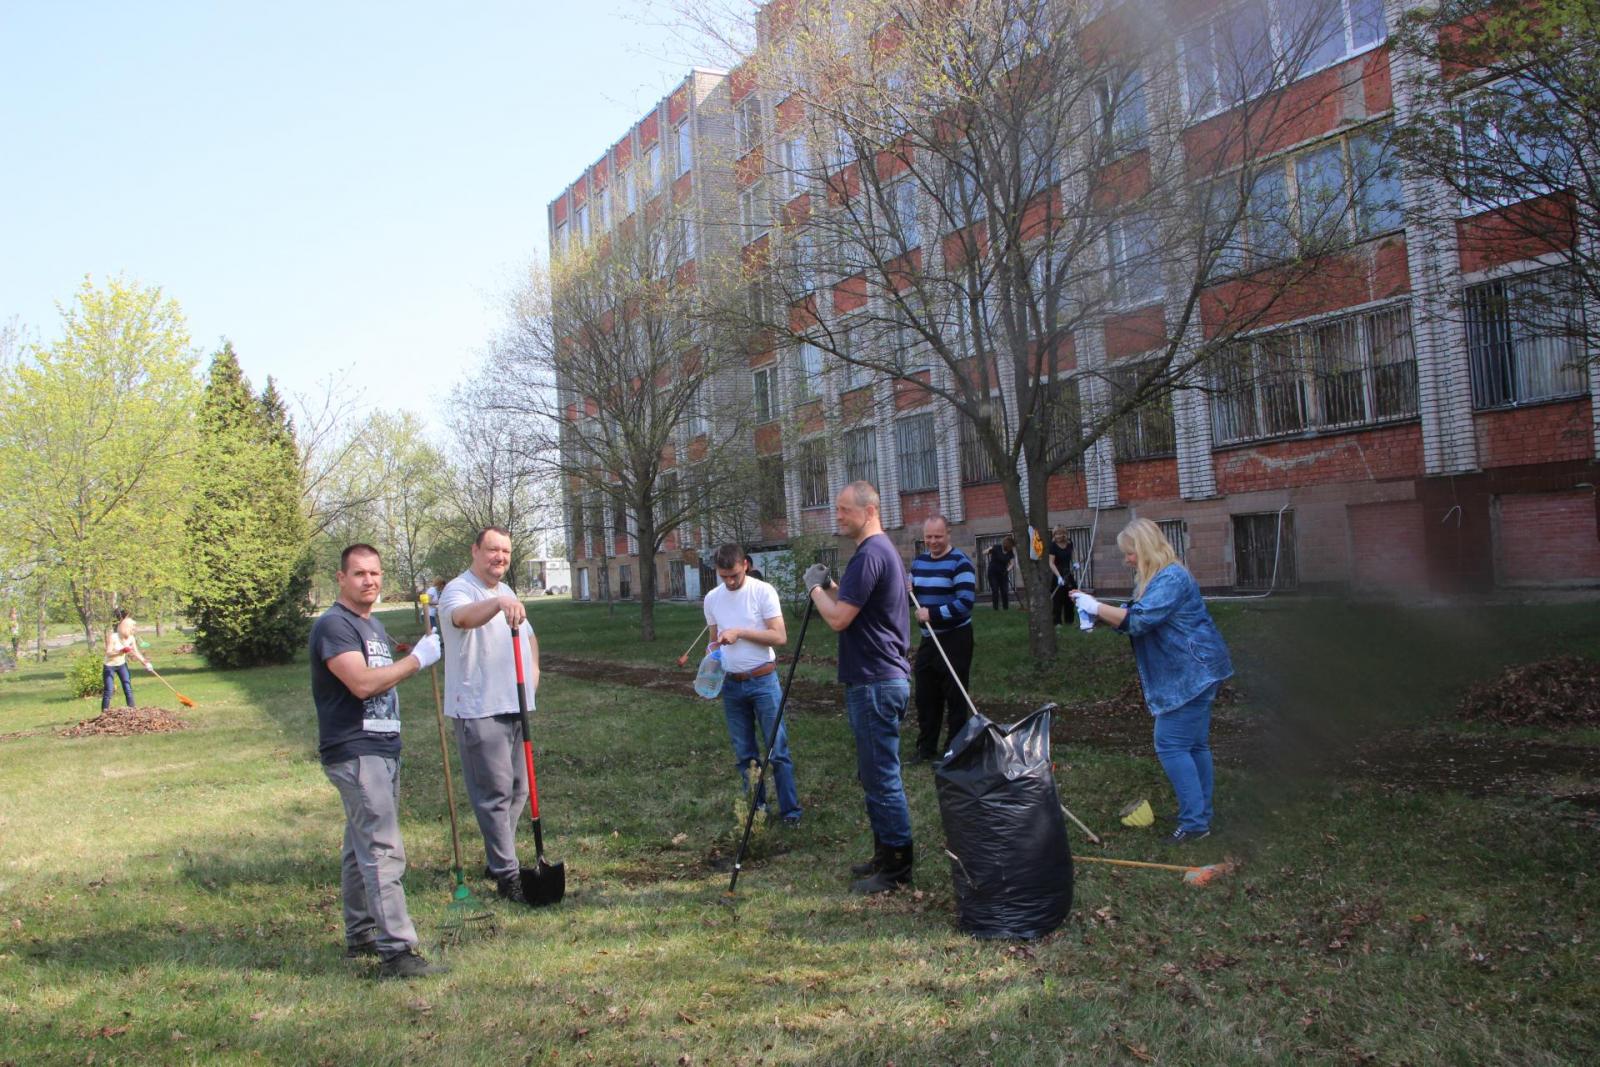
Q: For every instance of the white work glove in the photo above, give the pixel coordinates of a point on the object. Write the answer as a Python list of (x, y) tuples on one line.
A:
[(151, 667), (817, 577), (427, 651), (1060, 581), (1085, 603)]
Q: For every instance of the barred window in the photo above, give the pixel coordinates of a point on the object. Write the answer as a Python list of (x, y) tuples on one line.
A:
[(1176, 531), (861, 455), (1263, 551), (808, 381), (1524, 339), (765, 384), (976, 467), (1064, 428), (770, 502), (919, 464), (1350, 371), (813, 474), (1146, 431), (677, 588)]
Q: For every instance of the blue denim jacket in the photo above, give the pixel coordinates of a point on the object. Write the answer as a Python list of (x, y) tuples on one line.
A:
[(1175, 644)]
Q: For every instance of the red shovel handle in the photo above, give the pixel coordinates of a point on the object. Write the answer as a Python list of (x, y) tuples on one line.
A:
[(527, 744)]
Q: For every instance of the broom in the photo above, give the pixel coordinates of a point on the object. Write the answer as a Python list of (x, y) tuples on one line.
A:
[(465, 912)]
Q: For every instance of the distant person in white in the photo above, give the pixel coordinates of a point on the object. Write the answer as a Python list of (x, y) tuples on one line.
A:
[(746, 620), (476, 613)]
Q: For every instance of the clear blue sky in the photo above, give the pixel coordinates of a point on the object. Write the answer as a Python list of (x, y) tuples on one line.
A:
[(334, 186)]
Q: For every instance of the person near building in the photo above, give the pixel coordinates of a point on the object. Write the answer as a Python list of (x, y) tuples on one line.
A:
[(1000, 560), (121, 642), (945, 584), (868, 610), (1182, 662), (353, 679), (752, 570), (745, 619), (477, 615), (1061, 567)]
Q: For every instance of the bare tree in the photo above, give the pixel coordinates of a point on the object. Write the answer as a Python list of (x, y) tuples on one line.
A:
[(625, 393), (960, 196)]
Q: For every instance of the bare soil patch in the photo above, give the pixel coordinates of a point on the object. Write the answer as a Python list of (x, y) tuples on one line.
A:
[(1563, 691), (126, 722)]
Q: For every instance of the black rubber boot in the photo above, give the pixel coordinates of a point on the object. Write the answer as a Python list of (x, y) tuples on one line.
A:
[(873, 865), (894, 872)]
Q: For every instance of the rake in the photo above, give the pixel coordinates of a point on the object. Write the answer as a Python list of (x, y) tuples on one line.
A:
[(185, 701), (465, 913), (1196, 876)]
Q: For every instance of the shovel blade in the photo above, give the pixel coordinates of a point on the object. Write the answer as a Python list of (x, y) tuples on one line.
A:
[(544, 883)]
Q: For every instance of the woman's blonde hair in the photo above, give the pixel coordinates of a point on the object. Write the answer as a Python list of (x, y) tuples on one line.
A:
[(1144, 540)]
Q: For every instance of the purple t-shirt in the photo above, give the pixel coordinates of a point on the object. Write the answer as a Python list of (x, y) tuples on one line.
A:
[(876, 645)]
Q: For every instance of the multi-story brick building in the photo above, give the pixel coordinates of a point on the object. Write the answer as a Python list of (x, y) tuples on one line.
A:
[(1398, 430)]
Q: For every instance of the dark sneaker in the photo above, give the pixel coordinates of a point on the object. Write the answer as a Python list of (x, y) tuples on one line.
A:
[(409, 964), (790, 822), (361, 951), (510, 888), (1180, 837)]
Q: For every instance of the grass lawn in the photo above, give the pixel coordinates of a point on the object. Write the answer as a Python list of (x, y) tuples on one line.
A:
[(174, 897)]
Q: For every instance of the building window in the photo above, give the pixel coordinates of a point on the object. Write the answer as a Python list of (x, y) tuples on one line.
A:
[(677, 585), (916, 448), (851, 340), (559, 244), (747, 124), (619, 524), (758, 304), (770, 503), (1176, 531), (1146, 431), (753, 213), (683, 238), (630, 191), (1120, 117), (602, 197), (1263, 551), (807, 372), (1135, 260), (624, 580), (861, 455), (1082, 554), (976, 467), (963, 200), (652, 167), (582, 222), (685, 149), (765, 385), (795, 160), (1331, 374), (1510, 149), (1524, 339), (1375, 177), (1064, 435), (813, 474), (1037, 160), (903, 212)]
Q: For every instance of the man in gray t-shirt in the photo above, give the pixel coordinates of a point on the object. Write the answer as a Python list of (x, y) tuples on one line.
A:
[(476, 613)]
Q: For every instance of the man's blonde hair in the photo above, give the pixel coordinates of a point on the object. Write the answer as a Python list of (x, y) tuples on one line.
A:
[(1150, 549)]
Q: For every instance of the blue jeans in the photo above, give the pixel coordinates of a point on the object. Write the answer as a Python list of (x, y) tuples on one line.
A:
[(876, 710), (107, 676), (743, 705), (1183, 746)]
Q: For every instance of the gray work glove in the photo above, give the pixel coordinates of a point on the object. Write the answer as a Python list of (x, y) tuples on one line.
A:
[(817, 577), (427, 651)]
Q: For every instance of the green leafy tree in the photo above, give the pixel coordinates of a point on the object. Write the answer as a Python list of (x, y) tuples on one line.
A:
[(250, 575), (96, 439)]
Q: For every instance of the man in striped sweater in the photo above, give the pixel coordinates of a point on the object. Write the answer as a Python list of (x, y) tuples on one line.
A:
[(945, 584)]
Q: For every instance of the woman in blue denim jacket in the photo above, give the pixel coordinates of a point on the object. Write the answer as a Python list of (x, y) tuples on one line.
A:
[(1182, 662)]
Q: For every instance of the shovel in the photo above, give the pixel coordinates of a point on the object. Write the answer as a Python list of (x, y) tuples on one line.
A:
[(544, 882)]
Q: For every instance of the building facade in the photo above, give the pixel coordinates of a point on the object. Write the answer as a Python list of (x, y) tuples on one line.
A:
[(1394, 428)]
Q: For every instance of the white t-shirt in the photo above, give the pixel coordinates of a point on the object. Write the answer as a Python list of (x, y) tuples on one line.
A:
[(480, 674), (748, 608)]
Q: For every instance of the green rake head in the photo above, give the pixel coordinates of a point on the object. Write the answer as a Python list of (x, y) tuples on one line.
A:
[(464, 918)]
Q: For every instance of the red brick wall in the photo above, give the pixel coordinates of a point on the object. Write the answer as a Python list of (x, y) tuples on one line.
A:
[(1148, 479), (816, 520), (1543, 434), (1388, 546), (985, 501), (1066, 491), (1368, 455), (915, 507), (1547, 539)]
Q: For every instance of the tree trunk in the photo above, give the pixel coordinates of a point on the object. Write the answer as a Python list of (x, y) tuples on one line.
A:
[(647, 573), (80, 604), (1041, 633)]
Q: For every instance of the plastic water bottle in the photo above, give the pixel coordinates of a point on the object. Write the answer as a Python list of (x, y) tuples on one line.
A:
[(708, 679)]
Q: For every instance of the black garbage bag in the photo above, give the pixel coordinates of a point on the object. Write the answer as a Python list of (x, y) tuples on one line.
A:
[(1002, 821)]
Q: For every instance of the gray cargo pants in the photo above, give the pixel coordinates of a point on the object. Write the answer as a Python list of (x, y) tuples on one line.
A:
[(497, 784), (374, 858)]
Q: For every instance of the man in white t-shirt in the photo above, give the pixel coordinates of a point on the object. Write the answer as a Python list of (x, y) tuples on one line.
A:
[(476, 613), (746, 620)]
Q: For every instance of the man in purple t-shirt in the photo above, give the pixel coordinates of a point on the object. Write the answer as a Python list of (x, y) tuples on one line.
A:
[(868, 609)]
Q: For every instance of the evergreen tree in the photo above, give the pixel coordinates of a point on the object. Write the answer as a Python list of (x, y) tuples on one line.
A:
[(248, 538)]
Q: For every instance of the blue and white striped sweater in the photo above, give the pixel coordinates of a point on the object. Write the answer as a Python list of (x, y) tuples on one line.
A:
[(947, 587)]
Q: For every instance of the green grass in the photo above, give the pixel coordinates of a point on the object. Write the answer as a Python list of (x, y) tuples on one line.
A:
[(174, 898)]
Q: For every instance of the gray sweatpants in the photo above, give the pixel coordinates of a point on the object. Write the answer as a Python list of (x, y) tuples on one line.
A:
[(374, 858), (497, 784)]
